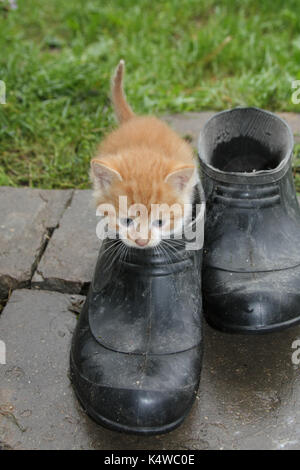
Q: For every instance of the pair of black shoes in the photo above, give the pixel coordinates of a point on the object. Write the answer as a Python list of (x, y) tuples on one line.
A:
[(137, 349)]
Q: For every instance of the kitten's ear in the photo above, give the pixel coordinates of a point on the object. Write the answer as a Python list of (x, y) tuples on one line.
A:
[(103, 175), (180, 178)]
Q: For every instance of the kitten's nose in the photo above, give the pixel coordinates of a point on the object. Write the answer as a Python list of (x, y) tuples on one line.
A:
[(141, 242)]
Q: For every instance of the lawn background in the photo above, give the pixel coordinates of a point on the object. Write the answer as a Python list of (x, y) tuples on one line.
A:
[(57, 56)]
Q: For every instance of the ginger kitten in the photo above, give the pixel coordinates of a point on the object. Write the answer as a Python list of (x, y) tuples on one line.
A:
[(148, 163)]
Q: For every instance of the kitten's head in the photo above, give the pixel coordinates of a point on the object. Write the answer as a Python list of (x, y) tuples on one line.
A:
[(145, 196)]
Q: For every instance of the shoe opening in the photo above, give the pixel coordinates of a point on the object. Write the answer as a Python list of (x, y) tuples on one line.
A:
[(245, 140)]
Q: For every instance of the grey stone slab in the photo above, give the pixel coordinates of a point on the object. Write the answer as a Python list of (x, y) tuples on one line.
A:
[(249, 394), (68, 262), (27, 218), (189, 124), (293, 119)]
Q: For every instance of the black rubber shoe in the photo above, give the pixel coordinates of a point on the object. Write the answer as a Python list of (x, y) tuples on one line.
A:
[(251, 278), (137, 349)]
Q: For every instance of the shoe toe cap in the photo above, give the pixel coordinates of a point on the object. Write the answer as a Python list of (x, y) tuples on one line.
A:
[(252, 302), (138, 411), (130, 393), (134, 410)]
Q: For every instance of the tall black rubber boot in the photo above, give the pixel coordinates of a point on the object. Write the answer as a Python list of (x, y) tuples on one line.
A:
[(251, 278), (137, 349)]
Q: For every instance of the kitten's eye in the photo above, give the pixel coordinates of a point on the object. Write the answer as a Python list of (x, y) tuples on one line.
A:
[(126, 222), (158, 223)]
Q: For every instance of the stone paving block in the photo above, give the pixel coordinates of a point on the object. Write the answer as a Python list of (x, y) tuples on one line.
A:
[(249, 394), (68, 262), (293, 119), (189, 124), (27, 218)]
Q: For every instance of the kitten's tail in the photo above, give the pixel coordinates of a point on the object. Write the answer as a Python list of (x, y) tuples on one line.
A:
[(122, 108)]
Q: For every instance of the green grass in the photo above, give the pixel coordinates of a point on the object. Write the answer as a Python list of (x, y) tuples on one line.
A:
[(56, 58)]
